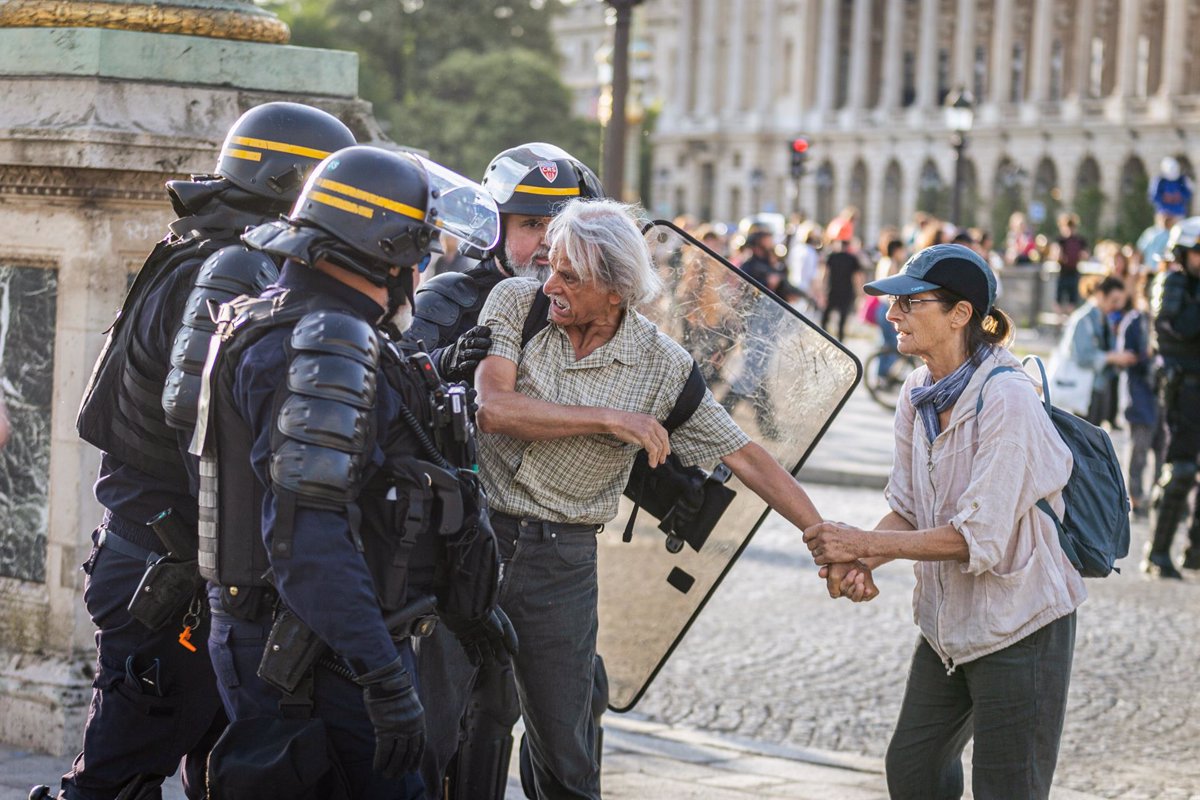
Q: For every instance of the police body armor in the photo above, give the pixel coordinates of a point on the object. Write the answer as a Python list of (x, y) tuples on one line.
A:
[(324, 432), (448, 304), (1176, 307), (122, 411), (229, 273)]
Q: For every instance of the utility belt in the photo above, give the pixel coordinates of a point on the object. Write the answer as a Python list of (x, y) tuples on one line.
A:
[(170, 587), (293, 649)]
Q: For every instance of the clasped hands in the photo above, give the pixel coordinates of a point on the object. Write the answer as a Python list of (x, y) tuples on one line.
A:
[(838, 550)]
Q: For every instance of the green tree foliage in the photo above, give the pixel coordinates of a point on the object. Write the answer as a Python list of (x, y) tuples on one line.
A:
[(1134, 212), (462, 79), (478, 104)]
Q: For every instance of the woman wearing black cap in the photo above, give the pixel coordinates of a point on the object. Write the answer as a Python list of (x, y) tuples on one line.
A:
[(996, 596)]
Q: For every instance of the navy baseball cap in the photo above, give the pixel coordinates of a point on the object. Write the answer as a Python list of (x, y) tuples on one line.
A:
[(954, 267)]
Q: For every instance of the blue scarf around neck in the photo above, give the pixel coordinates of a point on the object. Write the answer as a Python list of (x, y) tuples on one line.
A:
[(934, 398)]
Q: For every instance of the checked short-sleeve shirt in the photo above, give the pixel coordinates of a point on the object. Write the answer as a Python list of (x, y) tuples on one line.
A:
[(579, 479)]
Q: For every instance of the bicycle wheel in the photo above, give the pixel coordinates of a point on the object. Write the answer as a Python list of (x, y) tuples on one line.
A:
[(885, 388)]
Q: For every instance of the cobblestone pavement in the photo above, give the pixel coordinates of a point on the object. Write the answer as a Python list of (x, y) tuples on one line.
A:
[(772, 658)]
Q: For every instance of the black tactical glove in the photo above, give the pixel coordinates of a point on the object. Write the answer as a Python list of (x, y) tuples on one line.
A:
[(458, 361), (490, 639), (398, 719)]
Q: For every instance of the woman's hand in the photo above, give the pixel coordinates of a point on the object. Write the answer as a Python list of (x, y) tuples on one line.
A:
[(852, 580), (833, 542)]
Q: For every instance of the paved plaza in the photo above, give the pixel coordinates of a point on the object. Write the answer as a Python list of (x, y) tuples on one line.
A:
[(778, 691)]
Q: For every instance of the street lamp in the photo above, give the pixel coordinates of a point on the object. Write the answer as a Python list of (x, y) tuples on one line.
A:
[(960, 116), (613, 167)]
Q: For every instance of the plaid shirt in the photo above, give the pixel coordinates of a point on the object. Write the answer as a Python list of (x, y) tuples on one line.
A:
[(579, 479)]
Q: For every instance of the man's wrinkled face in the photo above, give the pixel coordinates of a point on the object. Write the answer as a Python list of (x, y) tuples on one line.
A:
[(526, 252)]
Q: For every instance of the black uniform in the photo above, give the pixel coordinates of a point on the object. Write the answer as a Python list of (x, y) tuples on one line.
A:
[(317, 421), (154, 699), (1176, 306)]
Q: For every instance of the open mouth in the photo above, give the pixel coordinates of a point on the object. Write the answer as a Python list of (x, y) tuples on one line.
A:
[(559, 305)]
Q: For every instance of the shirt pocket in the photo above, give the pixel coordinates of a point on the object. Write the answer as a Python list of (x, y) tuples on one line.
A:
[(1014, 598)]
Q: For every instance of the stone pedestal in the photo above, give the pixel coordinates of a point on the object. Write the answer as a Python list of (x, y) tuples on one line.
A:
[(93, 121)]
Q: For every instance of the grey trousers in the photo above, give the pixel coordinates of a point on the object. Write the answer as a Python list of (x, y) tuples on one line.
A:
[(550, 594), (1013, 702)]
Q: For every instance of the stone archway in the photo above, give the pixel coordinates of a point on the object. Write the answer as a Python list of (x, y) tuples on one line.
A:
[(932, 190), (1088, 199), (858, 196), (892, 208), (1134, 212), (1046, 199), (825, 185)]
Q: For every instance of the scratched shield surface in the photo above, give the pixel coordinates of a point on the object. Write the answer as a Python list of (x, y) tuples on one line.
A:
[(789, 377)]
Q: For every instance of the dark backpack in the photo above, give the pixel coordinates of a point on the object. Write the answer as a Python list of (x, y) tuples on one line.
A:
[(687, 501), (1094, 530)]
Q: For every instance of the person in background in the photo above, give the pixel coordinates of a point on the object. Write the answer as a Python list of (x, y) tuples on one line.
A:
[(841, 227), (843, 276), (1069, 250), (1020, 246), (804, 262), (1138, 398), (1092, 341), (893, 258)]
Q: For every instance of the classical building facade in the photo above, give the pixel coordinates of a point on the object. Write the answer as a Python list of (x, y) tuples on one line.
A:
[(1076, 102)]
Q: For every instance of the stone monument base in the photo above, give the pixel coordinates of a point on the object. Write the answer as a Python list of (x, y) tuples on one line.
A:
[(92, 123)]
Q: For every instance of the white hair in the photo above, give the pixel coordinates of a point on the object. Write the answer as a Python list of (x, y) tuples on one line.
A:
[(602, 241)]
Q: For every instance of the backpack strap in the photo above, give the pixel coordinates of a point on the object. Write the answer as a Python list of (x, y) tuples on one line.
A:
[(685, 406), (992, 374), (537, 319), (688, 401), (1045, 381)]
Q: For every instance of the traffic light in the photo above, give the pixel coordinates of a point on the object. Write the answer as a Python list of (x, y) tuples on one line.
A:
[(798, 148)]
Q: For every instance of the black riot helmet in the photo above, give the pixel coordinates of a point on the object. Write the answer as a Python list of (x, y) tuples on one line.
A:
[(369, 210), (272, 148), (537, 178)]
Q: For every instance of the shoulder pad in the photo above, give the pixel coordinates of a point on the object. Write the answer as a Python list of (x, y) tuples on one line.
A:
[(440, 305), (337, 333), (226, 274), (325, 426), (457, 287)]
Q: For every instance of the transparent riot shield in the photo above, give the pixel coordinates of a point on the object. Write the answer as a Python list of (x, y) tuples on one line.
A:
[(788, 380)]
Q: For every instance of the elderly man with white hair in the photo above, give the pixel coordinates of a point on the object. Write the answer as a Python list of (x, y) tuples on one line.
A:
[(562, 418)]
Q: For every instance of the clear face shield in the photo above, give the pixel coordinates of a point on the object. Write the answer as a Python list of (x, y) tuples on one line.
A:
[(507, 171), (461, 207)]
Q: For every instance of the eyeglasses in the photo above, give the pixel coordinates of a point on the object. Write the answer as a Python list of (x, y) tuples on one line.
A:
[(906, 303)]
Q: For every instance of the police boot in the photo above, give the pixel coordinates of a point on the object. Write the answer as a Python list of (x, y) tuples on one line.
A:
[(1157, 561), (1170, 504)]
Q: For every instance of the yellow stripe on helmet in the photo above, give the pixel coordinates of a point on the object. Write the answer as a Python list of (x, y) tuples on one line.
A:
[(280, 147), (382, 202), (344, 205), (524, 187), (247, 155)]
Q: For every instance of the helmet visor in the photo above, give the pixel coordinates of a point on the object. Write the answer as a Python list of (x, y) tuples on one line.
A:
[(461, 207), (506, 172)]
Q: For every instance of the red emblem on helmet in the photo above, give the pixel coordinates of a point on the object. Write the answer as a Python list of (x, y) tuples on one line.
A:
[(549, 170)]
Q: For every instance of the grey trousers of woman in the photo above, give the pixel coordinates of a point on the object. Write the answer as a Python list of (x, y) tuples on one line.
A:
[(1013, 702)]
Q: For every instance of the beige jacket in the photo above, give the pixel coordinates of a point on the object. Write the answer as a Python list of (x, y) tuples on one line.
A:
[(983, 475)]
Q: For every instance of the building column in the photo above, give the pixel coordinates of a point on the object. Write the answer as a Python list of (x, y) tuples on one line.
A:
[(685, 59), (860, 56), (706, 70), (927, 57), (892, 73), (1081, 58), (1000, 92), (1174, 50), (803, 61), (735, 71), (827, 58), (769, 50), (1041, 46), (1128, 28), (964, 46)]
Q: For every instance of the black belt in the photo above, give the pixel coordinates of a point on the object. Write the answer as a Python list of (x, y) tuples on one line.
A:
[(107, 540), (531, 524)]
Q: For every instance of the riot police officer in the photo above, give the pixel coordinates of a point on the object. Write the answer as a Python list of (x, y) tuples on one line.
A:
[(154, 700), (334, 497), (1175, 302), (529, 184)]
